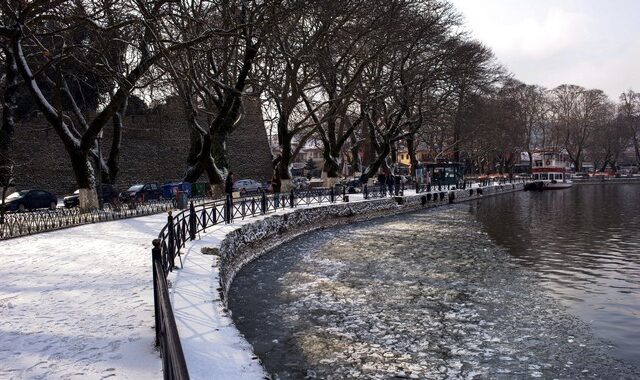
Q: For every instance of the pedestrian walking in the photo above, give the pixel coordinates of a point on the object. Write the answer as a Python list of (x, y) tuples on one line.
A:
[(228, 190), (390, 183), (276, 187), (382, 184)]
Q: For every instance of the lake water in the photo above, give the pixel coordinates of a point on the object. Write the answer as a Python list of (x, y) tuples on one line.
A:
[(542, 285), (585, 246)]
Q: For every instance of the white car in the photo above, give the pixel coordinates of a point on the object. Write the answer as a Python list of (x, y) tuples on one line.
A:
[(246, 185)]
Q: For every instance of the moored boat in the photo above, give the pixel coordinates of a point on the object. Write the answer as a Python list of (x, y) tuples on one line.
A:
[(550, 171)]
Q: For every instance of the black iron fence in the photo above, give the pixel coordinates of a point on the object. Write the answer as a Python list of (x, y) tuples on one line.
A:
[(185, 226), (17, 224), (383, 190)]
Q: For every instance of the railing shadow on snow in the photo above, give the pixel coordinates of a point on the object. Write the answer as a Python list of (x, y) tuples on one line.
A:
[(185, 226)]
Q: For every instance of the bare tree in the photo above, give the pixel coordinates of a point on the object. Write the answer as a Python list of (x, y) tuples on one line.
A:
[(341, 56), (286, 73), (8, 126), (608, 142), (577, 112), (629, 112), (117, 42), (475, 72), (213, 78), (531, 111)]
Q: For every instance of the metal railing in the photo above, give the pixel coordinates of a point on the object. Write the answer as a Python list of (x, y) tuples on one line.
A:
[(381, 191), (15, 224), (185, 226)]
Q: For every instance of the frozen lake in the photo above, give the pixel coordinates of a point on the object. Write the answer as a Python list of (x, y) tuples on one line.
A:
[(438, 294)]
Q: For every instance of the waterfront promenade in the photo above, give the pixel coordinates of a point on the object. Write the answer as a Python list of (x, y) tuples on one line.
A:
[(78, 303)]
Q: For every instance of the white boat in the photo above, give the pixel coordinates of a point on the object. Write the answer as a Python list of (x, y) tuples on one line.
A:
[(551, 171)]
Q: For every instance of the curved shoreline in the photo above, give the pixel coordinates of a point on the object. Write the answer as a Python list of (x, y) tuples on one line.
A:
[(211, 342), (253, 240)]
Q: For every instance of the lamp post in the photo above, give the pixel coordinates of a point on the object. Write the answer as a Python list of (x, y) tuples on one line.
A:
[(99, 168)]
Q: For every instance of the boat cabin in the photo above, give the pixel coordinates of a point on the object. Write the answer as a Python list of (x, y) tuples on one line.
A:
[(550, 166)]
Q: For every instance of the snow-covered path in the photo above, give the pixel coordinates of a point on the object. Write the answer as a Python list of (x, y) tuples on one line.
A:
[(78, 303)]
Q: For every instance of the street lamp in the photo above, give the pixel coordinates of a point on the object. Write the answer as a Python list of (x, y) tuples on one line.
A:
[(99, 168)]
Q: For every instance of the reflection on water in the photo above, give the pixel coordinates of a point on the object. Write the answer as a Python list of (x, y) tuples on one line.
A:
[(427, 295), (585, 245)]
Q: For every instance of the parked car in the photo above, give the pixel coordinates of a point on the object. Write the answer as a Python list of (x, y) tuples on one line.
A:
[(581, 175), (300, 183), (30, 200), (141, 192), (109, 195), (247, 185), (353, 186)]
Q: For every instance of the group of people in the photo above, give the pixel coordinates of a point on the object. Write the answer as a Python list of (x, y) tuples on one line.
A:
[(387, 181)]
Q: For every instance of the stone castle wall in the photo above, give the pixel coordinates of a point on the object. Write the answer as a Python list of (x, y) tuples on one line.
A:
[(154, 149)]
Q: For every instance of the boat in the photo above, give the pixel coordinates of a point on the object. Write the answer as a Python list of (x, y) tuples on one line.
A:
[(550, 171)]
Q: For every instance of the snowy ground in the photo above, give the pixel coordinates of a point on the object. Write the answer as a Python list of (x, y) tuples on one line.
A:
[(78, 303)]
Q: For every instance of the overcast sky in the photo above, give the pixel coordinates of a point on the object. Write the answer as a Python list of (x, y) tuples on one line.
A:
[(591, 43)]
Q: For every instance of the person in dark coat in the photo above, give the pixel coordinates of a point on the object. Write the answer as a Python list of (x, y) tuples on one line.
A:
[(228, 184), (382, 183), (276, 187), (390, 183), (228, 190)]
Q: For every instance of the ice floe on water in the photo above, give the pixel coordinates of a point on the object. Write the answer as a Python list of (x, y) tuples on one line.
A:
[(424, 295)]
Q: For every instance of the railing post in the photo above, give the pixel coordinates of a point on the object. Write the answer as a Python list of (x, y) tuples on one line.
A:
[(292, 199), (332, 196), (263, 202), (192, 221), (366, 191), (156, 258), (172, 242)]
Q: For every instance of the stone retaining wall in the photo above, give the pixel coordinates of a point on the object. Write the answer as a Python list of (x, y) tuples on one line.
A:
[(253, 240)]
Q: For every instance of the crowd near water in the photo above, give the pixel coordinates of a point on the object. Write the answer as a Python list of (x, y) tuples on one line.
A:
[(523, 285)]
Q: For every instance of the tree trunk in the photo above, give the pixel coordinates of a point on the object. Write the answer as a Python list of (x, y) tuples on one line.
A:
[(331, 166), (457, 126), (379, 162), (285, 157), (219, 156), (113, 162), (411, 149), (7, 129), (85, 176)]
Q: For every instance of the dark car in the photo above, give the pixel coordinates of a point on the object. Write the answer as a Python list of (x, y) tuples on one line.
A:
[(352, 186), (30, 200), (141, 192), (109, 195)]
